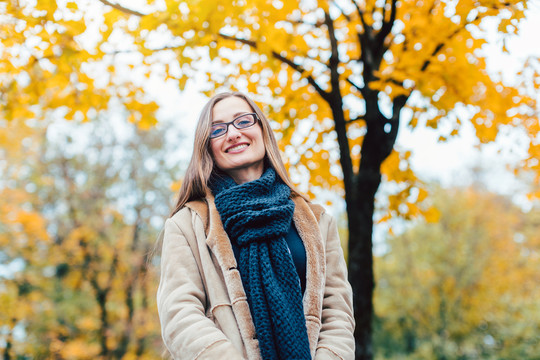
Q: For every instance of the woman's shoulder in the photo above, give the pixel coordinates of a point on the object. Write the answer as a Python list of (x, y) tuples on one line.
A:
[(317, 210), (324, 218), (185, 213)]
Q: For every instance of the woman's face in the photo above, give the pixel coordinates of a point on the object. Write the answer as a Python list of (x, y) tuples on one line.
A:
[(240, 152)]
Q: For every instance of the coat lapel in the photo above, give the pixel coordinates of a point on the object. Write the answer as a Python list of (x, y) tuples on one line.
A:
[(220, 246), (216, 237)]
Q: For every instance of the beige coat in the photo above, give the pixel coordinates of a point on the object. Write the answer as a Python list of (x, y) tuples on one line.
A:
[(202, 305)]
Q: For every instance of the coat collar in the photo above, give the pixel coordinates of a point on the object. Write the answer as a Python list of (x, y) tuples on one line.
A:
[(216, 237), (306, 215)]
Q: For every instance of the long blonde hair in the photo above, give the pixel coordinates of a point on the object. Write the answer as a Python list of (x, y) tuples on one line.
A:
[(200, 168)]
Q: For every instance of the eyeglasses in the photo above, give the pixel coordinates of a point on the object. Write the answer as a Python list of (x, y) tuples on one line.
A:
[(242, 122)]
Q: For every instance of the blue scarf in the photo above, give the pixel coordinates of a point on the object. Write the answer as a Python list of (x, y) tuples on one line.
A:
[(257, 216)]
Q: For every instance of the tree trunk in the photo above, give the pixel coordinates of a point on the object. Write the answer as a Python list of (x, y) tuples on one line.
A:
[(360, 214), (361, 187), (9, 343), (101, 297), (360, 199)]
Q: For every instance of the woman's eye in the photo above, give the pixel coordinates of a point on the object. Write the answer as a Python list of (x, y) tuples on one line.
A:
[(216, 131), (244, 121)]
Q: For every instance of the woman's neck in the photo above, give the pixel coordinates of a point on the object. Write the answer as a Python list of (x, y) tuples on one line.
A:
[(242, 176)]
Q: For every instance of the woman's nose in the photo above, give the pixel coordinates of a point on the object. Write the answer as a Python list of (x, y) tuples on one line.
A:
[(233, 133)]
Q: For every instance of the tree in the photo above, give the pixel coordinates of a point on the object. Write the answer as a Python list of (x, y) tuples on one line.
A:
[(461, 287), (337, 76), (82, 219)]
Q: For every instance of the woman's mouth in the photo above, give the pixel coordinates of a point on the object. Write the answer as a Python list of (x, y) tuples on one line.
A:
[(237, 148)]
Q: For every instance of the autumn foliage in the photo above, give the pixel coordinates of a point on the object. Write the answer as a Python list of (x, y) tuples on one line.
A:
[(338, 79), (77, 237), (462, 287)]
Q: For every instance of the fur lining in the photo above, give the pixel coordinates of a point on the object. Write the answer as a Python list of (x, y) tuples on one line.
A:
[(306, 218), (201, 208)]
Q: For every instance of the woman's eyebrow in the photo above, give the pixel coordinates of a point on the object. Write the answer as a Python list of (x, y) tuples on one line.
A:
[(235, 115), (240, 113)]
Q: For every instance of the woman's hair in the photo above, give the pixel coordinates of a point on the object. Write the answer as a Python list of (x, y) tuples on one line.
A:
[(200, 168)]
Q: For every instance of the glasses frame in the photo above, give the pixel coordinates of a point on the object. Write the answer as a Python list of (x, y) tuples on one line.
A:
[(233, 124)]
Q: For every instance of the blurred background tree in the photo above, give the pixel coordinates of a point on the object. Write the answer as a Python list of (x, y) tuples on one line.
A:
[(338, 78), (79, 219), (463, 287)]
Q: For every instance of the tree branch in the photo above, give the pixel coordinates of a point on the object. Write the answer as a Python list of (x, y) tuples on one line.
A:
[(335, 101), (367, 48), (355, 119), (333, 62), (387, 25), (302, 22), (384, 11), (301, 70), (367, 29), (165, 48), (122, 8), (341, 10), (251, 43), (283, 59), (397, 104), (441, 45), (354, 85)]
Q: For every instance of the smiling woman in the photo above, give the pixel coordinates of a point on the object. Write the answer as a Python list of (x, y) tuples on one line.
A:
[(249, 267)]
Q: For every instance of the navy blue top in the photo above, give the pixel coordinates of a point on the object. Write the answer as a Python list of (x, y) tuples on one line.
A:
[(298, 253)]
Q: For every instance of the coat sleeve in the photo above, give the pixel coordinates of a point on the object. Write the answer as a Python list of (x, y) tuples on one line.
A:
[(186, 331), (336, 338)]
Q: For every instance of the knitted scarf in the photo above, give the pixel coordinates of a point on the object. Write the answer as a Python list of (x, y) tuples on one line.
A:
[(257, 216)]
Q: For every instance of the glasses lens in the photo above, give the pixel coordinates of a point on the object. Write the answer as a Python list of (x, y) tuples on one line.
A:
[(244, 121), (218, 130)]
